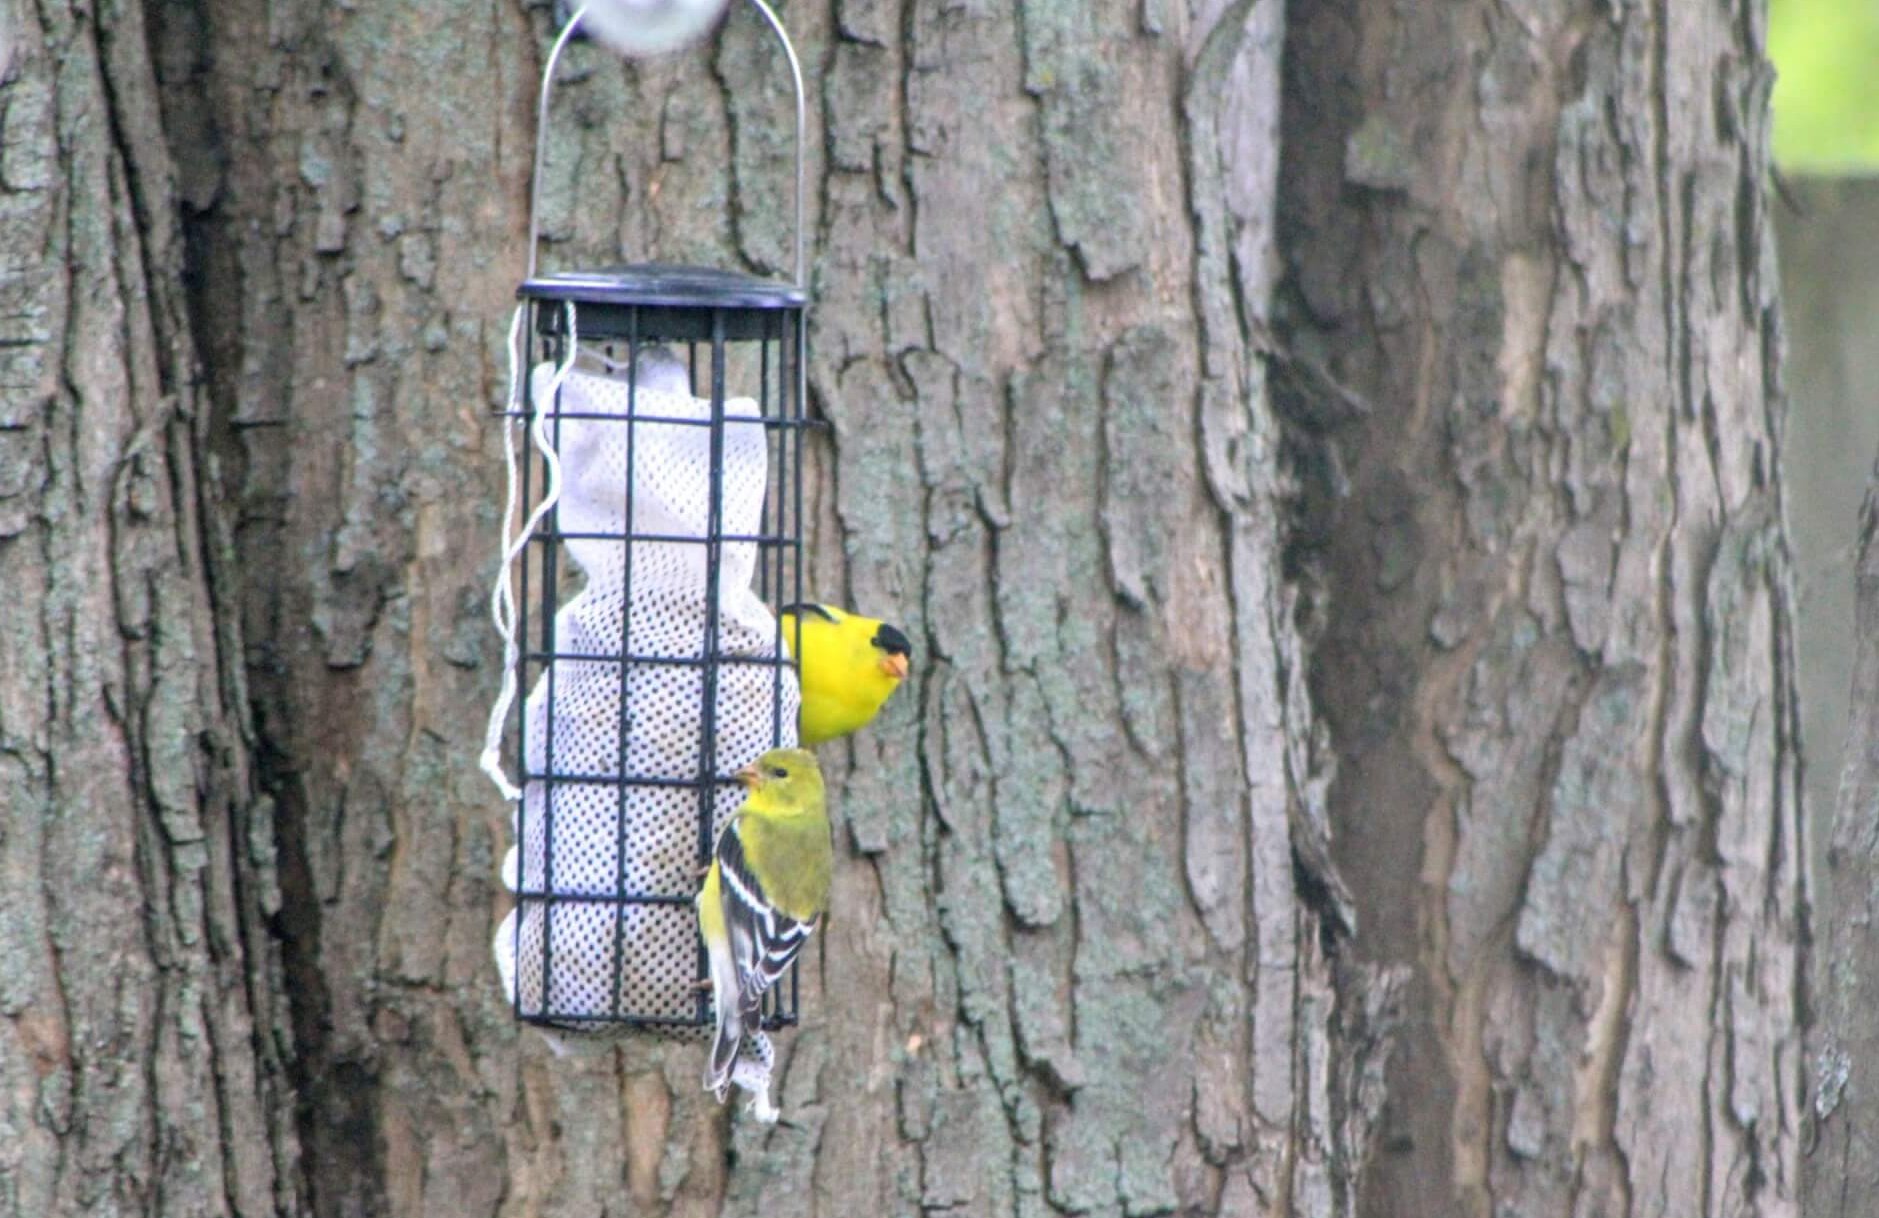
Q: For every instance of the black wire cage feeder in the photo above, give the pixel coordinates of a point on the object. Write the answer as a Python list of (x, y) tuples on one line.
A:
[(652, 532)]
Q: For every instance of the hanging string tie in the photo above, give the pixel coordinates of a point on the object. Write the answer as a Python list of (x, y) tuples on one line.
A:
[(502, 595)]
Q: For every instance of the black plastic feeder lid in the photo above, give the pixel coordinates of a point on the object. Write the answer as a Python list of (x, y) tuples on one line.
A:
[(653, 283)]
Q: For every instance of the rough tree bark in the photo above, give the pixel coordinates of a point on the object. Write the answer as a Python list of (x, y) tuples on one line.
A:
[(143, 1023), (1089, 954), (1532, 239), (1069, 967), (1842, 1155)]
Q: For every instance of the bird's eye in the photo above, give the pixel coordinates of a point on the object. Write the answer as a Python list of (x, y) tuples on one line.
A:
[(779, 772)]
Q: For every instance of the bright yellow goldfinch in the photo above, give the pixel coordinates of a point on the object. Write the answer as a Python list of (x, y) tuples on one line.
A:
[(763, 895), (848, 667)]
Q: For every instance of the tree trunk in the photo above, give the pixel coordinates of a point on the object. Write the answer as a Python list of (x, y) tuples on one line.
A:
[(1069, 968), (1532, 241), (1090, 951), (1843, 1159), (145, 1031)]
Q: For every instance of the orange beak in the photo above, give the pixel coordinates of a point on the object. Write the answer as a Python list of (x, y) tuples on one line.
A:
[(750, 777), (895, 666)]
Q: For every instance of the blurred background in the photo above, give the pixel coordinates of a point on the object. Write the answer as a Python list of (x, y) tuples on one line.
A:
[(1826, 112)]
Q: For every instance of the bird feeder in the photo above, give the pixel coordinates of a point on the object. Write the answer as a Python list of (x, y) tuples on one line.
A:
[(658, 411)]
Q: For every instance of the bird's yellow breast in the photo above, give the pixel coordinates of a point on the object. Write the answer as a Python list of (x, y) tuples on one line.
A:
[(843, 686), (711, 905), (793, 855)]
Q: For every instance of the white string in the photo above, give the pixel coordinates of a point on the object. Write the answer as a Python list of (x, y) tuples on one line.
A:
[(502, 596), (599, 356)]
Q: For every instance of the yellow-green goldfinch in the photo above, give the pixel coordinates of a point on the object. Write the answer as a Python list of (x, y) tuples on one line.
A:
[(763, 895), (848, 667)]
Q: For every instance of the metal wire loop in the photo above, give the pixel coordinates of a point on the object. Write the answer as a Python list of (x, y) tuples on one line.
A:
[(541, 131)]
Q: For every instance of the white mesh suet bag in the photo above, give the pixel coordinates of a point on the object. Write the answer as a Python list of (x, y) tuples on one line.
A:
[(610, 804)]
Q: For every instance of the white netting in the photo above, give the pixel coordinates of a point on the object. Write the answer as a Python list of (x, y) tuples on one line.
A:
[(610, 837)]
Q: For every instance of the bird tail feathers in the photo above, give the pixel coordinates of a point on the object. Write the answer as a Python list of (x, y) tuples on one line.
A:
[(724, 1046), (728, 997)]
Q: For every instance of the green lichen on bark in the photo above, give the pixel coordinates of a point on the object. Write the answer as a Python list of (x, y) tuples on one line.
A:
[(1555, 288), (1067, 969), (145, 1055)]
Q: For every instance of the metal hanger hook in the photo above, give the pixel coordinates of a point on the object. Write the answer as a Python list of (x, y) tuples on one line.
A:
[(566, 36)]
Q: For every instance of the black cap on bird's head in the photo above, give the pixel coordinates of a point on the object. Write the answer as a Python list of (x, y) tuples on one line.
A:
[(899, 651), (897, 648)]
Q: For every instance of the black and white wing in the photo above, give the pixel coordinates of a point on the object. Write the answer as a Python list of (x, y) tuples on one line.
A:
[(764, 939)]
